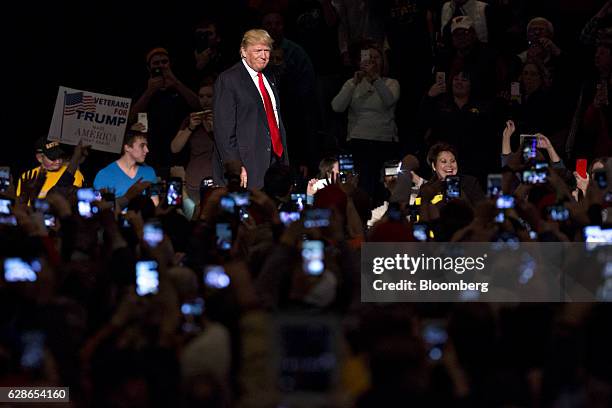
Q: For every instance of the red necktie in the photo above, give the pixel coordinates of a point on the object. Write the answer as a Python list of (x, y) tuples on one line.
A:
[(277, 144)]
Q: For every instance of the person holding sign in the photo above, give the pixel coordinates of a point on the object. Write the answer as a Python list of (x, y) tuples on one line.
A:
[(129, 169), (51, 157)]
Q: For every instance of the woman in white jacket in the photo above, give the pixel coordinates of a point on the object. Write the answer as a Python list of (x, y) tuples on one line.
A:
[(372, 133)]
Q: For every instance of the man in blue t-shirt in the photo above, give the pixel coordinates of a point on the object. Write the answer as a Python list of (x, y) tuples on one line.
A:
[(120, 175)]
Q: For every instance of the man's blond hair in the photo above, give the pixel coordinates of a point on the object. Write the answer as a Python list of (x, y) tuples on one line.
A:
[(256, 36)]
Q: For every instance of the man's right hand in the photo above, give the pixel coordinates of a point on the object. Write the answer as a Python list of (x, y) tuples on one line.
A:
[(203, 58), (155, 84), (359, 75), (243, 177), (509, 129), (195, 120), (137, 188), (436, 89), (80, 153)]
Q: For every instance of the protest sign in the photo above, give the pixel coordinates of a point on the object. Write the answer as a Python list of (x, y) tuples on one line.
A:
[(96, 119)]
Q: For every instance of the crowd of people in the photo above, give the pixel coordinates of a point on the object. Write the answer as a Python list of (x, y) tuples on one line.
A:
[(216, 262)]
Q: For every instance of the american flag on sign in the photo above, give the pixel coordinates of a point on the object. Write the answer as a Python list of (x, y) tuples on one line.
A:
[(76, 101)]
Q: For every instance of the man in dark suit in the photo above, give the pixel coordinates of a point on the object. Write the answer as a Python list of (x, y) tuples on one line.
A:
[(248, 126)]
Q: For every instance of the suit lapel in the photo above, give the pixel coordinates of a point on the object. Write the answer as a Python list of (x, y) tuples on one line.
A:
[(252, 90)]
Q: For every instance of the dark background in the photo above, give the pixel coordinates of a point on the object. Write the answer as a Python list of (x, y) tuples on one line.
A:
[(97, 46), (100, 46)]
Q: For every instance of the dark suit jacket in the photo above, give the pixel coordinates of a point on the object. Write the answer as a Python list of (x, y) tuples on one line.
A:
[(241, 126)]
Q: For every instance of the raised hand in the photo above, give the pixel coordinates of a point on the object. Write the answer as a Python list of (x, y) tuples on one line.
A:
[(509, 129), (31, 184), (436, 89), (155, 84)]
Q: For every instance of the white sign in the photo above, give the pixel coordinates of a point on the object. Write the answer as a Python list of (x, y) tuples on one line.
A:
[(96, 119)]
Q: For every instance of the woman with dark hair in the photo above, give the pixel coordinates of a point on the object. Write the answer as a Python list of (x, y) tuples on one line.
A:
[(442, 158), (329, 168), (537, 109)]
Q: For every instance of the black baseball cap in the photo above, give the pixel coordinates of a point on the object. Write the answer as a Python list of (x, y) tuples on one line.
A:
[(50, 148)]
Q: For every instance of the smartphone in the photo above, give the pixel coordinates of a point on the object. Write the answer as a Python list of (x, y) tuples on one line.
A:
[(42, 206), (500, 218), (5, 206), (441, 78), (535, 176), (504, 202), (243, 214), (33, 349), (5, 178), (317, 218), (595, 234), (228, 204), (8, 220), (365, 56), (394, 212), (153, 233), (174, 195), (193, 308), (515, 92), (123, 222), (242, 198), (529, 146), (581, 167), (346, 165), (224, 236), (156, 72), (435, 337), (601, 178), (19, 270), (205, 185), (392, 171), (419, 232), (144, 120), (558, 213), (313, 258), (453, 186), (191, 312), (215, 277), (494, 185), (147, 278), (85, 197), (288, 217), (299, 200)]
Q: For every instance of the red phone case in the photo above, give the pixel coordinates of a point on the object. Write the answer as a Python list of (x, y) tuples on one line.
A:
[(581, 167)]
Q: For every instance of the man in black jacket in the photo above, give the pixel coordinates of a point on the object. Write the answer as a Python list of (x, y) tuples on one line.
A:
[(248, 125)]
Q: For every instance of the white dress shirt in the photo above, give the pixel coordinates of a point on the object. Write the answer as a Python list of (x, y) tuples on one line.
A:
[(255, 79)]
